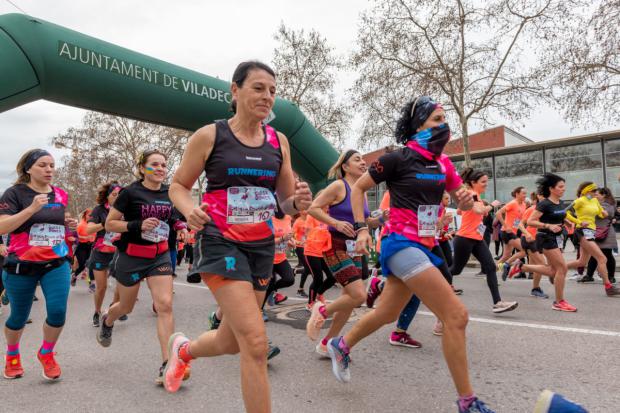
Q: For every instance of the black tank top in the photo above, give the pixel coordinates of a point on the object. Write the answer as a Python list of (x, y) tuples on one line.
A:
[(241, 180)]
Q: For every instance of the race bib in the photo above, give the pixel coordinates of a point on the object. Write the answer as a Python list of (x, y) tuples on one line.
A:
[(110, 237), (481, 229), (249, 205), (158, 234), (46, 235), (516, 223), (428, 216), (559, 240), (281, 248), (588, 233), (351, 248)]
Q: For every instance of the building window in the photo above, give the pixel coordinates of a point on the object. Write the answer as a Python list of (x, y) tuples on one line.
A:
[(612, 163), (576, 164), (485, 165), (518, 169)]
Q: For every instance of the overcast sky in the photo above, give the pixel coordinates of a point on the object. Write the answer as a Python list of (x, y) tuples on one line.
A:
[(211, 37)]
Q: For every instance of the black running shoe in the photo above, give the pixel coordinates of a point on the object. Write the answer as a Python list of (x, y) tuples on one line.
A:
[(586, 279), (214, 323), (104, 334), (123, 317), (272, 352), (96, 320)]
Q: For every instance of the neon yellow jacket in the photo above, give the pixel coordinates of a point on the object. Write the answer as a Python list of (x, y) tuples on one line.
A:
[(586, 210)]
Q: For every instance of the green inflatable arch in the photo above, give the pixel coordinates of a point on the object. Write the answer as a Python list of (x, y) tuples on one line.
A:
[(41, 60)]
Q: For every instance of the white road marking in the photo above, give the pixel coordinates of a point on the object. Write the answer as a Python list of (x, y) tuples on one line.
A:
[(488, 320)]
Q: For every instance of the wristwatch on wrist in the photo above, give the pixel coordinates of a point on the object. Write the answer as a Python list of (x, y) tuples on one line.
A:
[(359, 225)]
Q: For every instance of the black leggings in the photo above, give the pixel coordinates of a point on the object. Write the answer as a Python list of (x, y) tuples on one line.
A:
[(318, 266), (611, 263), (463, 248), (498, 247), (180, 255), (189, 253), (287, 278), (302, 260), (82, 252), (447, 252)]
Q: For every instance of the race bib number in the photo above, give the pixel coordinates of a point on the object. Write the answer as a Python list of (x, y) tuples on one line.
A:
[(158, 234), (46, 235), (481, 229), (516, 223), (351, 248), (110, 237), (588, 233), (249, 205), (559, 240), (428, 216)]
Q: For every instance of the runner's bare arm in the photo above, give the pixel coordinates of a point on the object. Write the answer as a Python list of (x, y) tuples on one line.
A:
[(293, 196), (463, 198), (114, 222), (327, 197), (197, 151), (358, 192), (92, 228), (9, 223)]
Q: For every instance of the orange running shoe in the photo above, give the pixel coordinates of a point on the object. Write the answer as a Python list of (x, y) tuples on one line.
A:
[(176, 368), (51, 369), (13, 367)]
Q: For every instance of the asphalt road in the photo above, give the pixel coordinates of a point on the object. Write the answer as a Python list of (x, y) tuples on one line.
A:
[(512, 357)]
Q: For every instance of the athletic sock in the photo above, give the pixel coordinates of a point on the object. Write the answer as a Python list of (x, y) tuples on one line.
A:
[(12, 349), (184, 353), (46, 347), (466, 401), (343, 346)]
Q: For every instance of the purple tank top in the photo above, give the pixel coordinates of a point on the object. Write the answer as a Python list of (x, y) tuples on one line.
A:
[(342, 211)]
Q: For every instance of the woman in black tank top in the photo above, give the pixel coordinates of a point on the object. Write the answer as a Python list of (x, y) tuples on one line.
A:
[(246, 163)]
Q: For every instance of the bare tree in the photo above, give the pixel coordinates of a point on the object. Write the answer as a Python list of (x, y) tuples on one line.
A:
[(474, 57), (586, 66), (307, 68), (107, 147)]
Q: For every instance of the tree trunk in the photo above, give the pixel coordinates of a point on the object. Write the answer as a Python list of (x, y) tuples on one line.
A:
[(465, 133)]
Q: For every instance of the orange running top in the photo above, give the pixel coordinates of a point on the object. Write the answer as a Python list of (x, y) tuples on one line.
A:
[(299, 231), (318, 239), (281, 227), (471, 222), (526, 215), (514, 214)]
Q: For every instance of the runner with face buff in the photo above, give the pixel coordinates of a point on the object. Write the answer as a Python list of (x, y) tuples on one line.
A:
[(247, 163), (143, 215), (32, 212), (416, 176)]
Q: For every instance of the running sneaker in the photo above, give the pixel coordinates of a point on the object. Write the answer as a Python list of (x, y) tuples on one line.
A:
[(270, 300), (301, 294), (4, 298), (316, 321), (516, 268), (505, 271), (51, 369), (438, 328), (500, 266), (13, 367), (503, 306), (586, 279), (213, 322), (612, 291), (96, 319), (124, 317), (174, 370), (550, 402), (279, 298), (563, 305), (265, 316), (321, 350), (272, 351), (457, 291), (373, 291), (477, 406), (538, 292), (92, 287), (404, 340), (340, 360), (104, 334)]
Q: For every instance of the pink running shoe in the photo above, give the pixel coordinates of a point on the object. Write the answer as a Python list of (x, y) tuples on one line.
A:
[(563, 305), (373, 291), (404, 340), (316, 321)]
